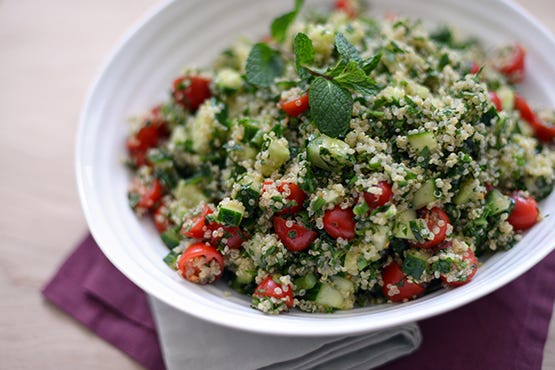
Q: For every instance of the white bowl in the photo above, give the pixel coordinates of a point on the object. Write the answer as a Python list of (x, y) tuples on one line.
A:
[(138, 75)]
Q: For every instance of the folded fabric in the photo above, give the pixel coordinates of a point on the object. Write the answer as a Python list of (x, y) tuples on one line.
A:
[(89, 288), (185, 340), (504, 330)]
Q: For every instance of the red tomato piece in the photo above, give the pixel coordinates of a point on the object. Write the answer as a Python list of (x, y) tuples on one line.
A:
[(471, 266), (296, 197), (512, 65), (201, 263), (232, 236), (191, 91), (374, 201), (437, 222), (161, 218), (542, 131), (269, 288), (340, 223), (345, 6), (197, 226), (474, 68), (496, 101), (525, 212), (396, 287), (149, 196), (295, 237), (153, 130), (295, 107)]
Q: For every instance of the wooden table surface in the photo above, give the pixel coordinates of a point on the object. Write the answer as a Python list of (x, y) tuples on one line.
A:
[(49, 54)]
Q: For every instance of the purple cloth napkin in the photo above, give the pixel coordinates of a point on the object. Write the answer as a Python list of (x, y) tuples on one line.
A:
[(504, 330), (89, 288)]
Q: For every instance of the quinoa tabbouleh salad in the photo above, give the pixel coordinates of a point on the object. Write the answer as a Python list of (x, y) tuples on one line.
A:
[(343, 161)]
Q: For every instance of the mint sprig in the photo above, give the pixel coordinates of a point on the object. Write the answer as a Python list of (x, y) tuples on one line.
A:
[(280, 25), (330, 93), (304, 53), (346, 49), (263, 66), (331, 106)]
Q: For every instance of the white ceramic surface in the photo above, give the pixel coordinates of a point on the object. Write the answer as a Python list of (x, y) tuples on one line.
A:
[(138, 74)]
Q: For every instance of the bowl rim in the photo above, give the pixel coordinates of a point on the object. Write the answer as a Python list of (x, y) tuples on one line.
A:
[(226, 318)]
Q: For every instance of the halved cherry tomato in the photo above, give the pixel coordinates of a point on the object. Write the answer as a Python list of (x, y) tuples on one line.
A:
[(149, 194), (374, 201), (271, 289), (340, 223), (396, 287), (437, 222), (525, 212), (512, 65), (295, 107), (471, 267), (295, 237), (153, 130), (197, 226), (191, 91), (201, 263), (161, 218), (542, 131), (496, 101), (295, 199), (345, 6), (232, 236)]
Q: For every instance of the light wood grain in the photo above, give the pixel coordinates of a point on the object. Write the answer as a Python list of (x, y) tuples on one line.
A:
[(50, 52)]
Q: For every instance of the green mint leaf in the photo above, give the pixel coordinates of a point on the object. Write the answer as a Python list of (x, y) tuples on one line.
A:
[(346, 49), (331, 107), (304, 53), (337, 69), (281, 24), (264, 64), (353, 77), (371, 64)]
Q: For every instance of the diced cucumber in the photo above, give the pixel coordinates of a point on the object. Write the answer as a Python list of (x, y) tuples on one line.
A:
[(467, 192), (326, 295), (171, 238), (276, 154), (228, 79), (507, 97), (250, 128), (419, 229), (250, 190), (189, 195), (345, 286), (230, 212), (423, 140), (425, 195), (415, 263), (328, 153), (306, 282), (171, 260), (407, 224), (244, 277), (407, 215), (401, 229), (497, 203)]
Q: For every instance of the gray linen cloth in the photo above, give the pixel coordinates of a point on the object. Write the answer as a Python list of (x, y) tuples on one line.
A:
[(190, 343)]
